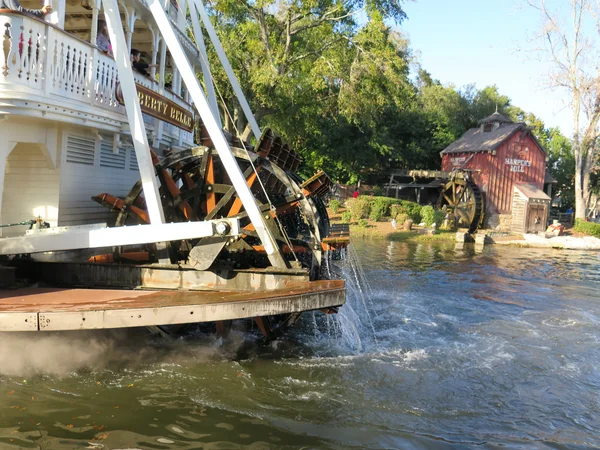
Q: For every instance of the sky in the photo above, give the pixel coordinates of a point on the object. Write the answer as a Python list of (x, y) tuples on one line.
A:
[(483, 42)]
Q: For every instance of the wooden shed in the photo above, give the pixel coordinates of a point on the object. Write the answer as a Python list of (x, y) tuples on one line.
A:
[(530, 207), (499, 153)]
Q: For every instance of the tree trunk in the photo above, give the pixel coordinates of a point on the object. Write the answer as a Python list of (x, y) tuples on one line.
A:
[(580, 199)]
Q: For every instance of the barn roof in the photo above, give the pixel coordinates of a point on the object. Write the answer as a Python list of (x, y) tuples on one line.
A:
[(496, 117), (532, 192), (477, 140)]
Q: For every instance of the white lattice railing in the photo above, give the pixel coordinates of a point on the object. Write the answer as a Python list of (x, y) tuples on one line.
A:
[(46, 60), (22, 51)]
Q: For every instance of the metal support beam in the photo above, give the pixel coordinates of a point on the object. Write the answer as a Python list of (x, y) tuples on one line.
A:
[(208, 81), (228, 70), (134, 112), (73, 238), (216, 134)]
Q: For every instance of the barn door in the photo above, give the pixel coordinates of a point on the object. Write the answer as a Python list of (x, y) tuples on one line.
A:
[(535, 219)]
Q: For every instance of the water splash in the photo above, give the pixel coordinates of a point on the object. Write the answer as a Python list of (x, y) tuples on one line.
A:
[(352, 327)]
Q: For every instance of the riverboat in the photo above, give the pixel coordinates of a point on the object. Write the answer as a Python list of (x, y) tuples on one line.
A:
[(124, 203)]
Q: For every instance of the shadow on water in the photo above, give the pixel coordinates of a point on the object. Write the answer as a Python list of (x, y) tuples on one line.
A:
[(437, 347)]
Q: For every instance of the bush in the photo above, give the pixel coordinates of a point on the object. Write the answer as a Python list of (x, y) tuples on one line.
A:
[(378, 208), (428, 214), (395, 209), (414, 211), (346, 217), (359, 208), (439, 217), (363, 223), (378, 190), (401, 218), (591, 228), (335, 205)]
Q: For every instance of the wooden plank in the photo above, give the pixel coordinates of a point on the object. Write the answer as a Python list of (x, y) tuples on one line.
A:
[(79, 309)]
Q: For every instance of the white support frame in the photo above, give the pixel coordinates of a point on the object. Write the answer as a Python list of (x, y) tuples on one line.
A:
[(216, 134), (228, 70), (74, 238), (134, 112), (208, 81)]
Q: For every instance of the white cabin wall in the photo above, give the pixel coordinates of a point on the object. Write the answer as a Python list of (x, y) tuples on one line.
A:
[(31, 188), (108, 173)]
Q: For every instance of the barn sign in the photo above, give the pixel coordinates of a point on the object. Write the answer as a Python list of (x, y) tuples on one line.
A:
[(162, 108), (517, 165)]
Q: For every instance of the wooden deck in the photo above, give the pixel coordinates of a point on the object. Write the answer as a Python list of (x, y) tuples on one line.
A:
[(51, 309)]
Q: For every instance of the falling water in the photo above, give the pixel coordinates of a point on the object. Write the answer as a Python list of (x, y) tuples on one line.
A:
[(352, 327)]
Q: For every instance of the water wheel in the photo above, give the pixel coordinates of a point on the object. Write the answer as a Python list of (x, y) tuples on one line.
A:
[(194, 186), (464, 201)]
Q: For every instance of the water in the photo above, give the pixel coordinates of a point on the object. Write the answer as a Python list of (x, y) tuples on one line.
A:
[(462, 350)]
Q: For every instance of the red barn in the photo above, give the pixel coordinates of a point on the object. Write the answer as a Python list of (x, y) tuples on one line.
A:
[(501, 154)]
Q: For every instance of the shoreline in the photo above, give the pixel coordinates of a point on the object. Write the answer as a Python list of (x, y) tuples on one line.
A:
[(384, 230)]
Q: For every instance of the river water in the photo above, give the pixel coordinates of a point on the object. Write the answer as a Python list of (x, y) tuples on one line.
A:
[(449, 348)]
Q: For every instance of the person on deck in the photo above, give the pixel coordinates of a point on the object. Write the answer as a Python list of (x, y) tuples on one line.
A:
[(138, 64), (102, 39), (16, 6)]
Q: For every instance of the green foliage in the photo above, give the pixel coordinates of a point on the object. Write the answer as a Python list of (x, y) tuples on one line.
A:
[(432, 216), (438, 217), (378, 208), (359, 208), (591, 228), (346, 217), (414, 211), (395, 209), (335, 205), (561, 165), (401, 218), (363, 223), (428, 214)]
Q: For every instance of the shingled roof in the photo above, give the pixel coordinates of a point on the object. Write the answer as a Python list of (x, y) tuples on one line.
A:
[(477, 140), (496, 117)]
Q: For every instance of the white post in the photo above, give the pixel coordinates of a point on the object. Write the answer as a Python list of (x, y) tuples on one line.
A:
[(208, 82), (57, 16), (94, 30), (163, 66), (155, 42), (228, 70), (134, 112), (225, 154), (130, 27)]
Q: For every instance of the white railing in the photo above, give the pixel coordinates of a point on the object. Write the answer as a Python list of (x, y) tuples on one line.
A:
[(40, 58), (22, 51)]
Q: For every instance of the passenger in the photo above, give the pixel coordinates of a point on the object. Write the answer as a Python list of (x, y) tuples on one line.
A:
[(102, 39), (138, 64), (16, 6)]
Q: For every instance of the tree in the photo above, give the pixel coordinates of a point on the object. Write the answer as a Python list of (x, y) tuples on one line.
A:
[(573, 48), (325, 75)]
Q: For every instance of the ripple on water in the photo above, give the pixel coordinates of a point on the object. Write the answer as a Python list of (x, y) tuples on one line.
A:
[(461, 349)]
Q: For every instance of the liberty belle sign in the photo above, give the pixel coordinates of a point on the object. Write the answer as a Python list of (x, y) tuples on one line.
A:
[(160, 107)]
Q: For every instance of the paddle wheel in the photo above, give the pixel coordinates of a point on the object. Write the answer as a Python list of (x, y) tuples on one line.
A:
[(194, 187)]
